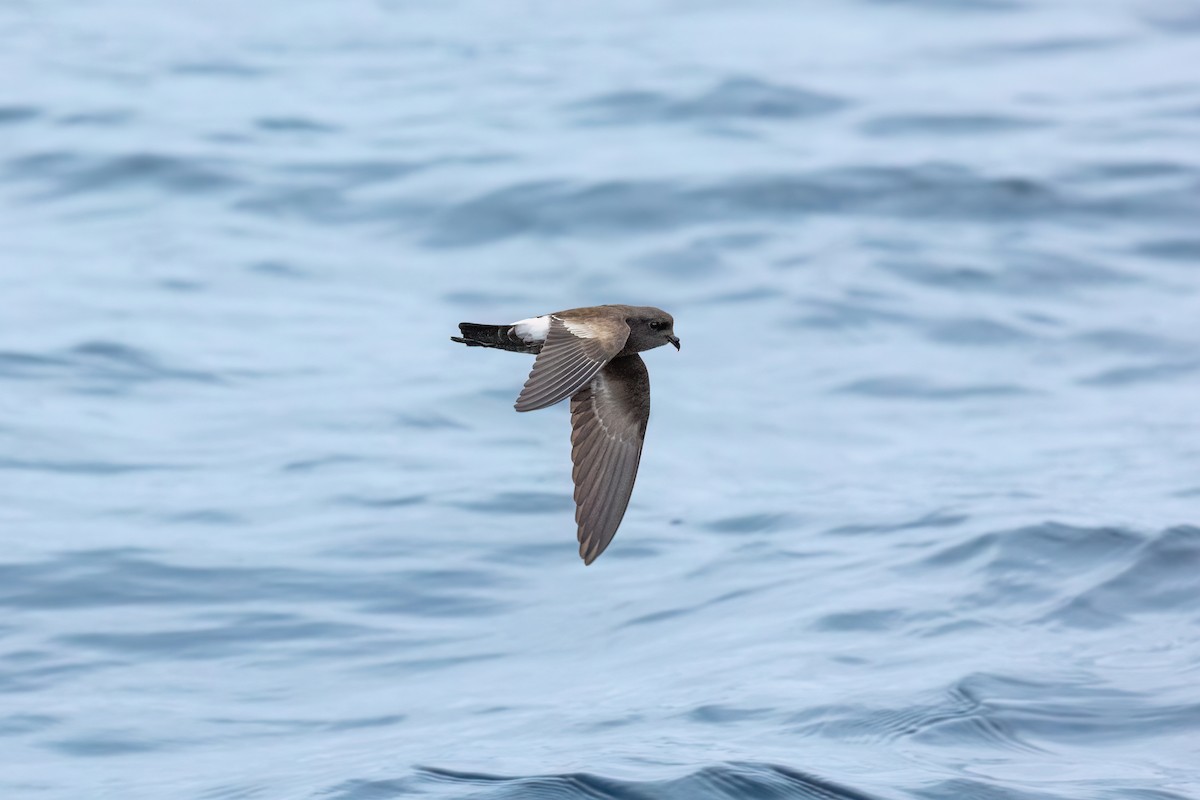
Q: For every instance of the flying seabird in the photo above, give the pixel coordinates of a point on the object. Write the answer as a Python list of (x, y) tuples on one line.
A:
[(590, 355)]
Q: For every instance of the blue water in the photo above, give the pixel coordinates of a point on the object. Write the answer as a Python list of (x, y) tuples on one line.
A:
[(919, 511)]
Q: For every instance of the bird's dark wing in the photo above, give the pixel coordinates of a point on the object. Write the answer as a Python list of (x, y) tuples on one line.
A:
[(574, 351), (608, 424)]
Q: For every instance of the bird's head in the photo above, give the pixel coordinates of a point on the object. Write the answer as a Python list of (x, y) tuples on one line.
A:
[(652, 327)]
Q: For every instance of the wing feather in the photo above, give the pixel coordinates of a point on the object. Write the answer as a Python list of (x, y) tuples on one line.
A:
[(556, 385), (608, 425), (568, 362)]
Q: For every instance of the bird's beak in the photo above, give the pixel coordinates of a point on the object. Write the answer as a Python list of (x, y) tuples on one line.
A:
[(674, 340)]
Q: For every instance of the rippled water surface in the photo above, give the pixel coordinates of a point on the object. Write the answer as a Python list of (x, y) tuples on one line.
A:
[(919, 511)]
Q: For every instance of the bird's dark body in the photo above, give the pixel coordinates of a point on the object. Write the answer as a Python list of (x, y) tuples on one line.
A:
[(591, 356)]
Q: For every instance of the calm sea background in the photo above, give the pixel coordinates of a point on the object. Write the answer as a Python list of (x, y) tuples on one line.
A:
[(919, 511)]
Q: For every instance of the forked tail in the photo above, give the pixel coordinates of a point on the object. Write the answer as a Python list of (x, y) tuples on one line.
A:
[(498, 336)]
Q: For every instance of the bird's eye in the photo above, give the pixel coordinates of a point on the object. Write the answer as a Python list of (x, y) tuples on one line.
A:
[(655, 326)]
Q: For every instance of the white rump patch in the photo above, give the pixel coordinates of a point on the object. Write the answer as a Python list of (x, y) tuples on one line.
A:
[(534, 329)]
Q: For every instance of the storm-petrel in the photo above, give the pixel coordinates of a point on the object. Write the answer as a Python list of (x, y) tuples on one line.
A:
[(590, 355)]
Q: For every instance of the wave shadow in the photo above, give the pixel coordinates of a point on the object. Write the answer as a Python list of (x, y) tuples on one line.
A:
[(732, 781)]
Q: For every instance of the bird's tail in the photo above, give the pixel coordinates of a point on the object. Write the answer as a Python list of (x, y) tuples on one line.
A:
[(498, 336)]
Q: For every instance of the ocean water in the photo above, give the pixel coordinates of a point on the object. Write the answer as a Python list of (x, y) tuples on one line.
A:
[(919, 511)]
